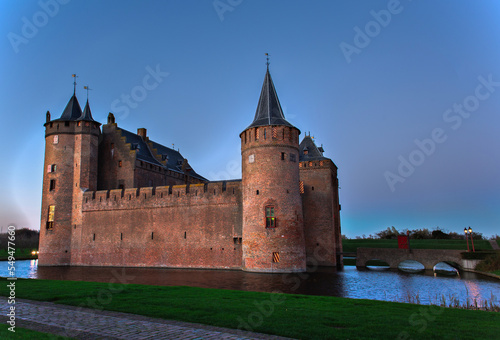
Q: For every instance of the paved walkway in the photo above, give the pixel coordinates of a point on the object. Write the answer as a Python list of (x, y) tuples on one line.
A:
[(85, 323), (494, 244)]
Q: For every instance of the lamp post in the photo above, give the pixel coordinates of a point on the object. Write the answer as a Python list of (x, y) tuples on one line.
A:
[(471, 239), (467, 238)]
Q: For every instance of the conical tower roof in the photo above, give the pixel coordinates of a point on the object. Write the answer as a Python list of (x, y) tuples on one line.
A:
[(86, 115), (73, 111), (269, 110)]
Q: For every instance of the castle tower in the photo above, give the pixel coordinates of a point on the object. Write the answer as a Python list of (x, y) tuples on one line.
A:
[(273, 231), (70, 168)]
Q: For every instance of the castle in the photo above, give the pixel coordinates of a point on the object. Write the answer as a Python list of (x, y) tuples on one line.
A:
[(116, 198)]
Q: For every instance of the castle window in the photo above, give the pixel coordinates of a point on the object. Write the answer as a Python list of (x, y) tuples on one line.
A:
[(56, 138), (121, 236), (50, 217), (306, 151), (79, 123), (152, 235), (185, 234), (292, 157), (93, 237), (256, 133), (270, 219), (265, 135), (120, 164), (276, 257), (52, 185), (275, 132), (282, 156), (257, 192), (66, 123)]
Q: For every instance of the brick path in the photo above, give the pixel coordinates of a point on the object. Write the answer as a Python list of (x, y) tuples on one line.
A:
[(85, 323)]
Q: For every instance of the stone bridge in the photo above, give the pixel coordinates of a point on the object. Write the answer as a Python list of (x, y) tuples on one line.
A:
[(428, 257)]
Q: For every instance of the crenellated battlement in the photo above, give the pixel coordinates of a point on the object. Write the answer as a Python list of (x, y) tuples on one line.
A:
[(191, 194), (324, 163)]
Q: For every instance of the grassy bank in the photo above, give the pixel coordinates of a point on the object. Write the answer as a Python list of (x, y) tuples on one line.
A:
[(298, 316), (23, 333), (351, 245), (20, 254)]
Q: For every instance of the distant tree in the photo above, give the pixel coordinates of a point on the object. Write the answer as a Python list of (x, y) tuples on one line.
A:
[(420, 234), (388, 234), (440, 235), (24, 238), (456, 236)]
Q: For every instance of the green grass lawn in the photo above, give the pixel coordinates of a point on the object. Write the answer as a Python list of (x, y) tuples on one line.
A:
[(23, 333), (496, 272), (297, 316), (351, 245), (20, 254)]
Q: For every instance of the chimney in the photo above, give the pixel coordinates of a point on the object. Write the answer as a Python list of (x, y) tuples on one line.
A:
[(142, 132)]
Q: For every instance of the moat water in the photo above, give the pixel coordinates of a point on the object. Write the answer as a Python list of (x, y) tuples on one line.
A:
[(374, 284)]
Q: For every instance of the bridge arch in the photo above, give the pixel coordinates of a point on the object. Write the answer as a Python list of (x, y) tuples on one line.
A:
[(377, 263), (427, 257), (411, 266)]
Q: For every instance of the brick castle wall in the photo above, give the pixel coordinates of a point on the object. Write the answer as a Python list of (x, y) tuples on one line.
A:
[(195, 226)]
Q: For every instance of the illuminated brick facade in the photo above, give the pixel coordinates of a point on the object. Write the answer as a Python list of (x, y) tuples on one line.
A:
[(116, 198)]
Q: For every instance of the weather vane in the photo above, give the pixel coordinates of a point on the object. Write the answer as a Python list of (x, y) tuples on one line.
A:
[(267, 60), (74, 83), (88, 89)]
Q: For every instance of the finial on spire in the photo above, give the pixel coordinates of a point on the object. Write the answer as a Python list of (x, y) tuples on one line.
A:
[(267, 60), (88, 89), (74, 83)]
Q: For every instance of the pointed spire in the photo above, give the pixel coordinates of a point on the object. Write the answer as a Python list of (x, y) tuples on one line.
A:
[(73, 111), (74, 83), (86, 115), (269, 110)]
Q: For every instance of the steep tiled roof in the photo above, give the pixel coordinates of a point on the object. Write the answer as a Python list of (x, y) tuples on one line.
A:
[(73, 111), (144, 153), (269, 110), (174, 159), (86, 115), (136, 142), (308, 151)]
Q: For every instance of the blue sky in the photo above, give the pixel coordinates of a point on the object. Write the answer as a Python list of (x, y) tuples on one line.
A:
[(404, 96)]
